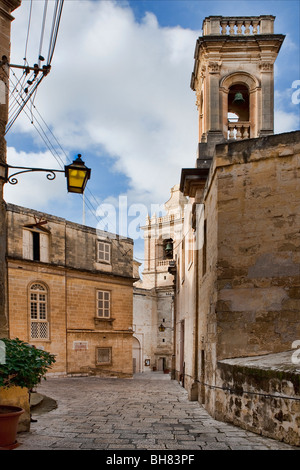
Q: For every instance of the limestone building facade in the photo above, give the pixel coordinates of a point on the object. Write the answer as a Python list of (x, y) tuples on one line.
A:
[(7, 7), (154, 316), (70, 292), (237, 294)]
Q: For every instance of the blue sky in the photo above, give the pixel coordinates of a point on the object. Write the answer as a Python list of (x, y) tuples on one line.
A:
[(119, 94)]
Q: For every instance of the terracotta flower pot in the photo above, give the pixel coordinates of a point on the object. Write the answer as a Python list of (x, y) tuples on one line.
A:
[(9, 417)]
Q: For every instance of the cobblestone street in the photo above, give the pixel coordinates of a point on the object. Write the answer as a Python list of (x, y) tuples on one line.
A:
[(149, 412)]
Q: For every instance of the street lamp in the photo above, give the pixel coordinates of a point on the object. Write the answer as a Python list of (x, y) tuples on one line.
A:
[(77, 174)]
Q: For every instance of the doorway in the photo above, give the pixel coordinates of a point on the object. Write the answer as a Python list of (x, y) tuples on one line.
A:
[(136, 356), (161, 363)]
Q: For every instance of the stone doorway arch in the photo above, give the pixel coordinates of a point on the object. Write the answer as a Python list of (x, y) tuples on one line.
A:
[(136, 355)]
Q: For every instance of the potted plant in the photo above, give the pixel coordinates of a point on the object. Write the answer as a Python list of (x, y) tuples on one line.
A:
[(21, 370)]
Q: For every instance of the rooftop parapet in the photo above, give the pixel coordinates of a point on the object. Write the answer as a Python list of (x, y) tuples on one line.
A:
[(238, 25)]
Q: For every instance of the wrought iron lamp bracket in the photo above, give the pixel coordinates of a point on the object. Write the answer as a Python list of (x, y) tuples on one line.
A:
[(23, 169)]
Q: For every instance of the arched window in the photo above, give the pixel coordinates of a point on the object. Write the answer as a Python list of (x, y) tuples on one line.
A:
[(38, 303)]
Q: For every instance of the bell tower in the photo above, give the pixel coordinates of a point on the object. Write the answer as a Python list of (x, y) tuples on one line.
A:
[(234, 80)]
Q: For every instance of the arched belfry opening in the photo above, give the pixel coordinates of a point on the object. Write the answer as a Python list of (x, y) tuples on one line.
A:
[(238, 108), (238, 101), (240, 104)]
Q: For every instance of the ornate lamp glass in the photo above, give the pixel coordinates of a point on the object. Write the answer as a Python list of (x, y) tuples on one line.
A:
[(77, 175)]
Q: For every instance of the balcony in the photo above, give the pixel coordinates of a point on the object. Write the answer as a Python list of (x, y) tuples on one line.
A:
[(239, 130), (166, 262)]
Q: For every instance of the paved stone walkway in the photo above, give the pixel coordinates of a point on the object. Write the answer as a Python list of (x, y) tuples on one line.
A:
[(148, 412)]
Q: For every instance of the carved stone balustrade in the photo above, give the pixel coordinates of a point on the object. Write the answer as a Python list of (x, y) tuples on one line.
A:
[(238, 130)]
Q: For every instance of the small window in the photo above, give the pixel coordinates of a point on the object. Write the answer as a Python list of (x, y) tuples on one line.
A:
[(103, 304), (104, 356), (35, 245), (104, 252), (39, 325)]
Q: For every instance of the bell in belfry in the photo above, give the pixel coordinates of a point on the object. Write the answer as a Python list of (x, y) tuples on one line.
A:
[(238, 98), (169, 247)]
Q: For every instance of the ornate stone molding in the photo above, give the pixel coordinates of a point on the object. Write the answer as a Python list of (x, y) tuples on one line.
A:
[(199, 100), (266, 67), (214, 67)]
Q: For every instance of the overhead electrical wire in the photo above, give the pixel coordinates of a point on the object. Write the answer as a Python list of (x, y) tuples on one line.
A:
[(24, 97), (55, 28), (43, 30), (51, 147), (28, 30), (38, 74)]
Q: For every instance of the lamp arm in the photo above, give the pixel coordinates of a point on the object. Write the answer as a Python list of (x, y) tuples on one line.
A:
[(23, 169)]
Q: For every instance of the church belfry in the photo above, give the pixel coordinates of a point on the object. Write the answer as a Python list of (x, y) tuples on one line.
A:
[(234, 80)]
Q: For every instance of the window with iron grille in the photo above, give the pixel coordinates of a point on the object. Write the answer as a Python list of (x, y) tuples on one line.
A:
[(39, 325), (103, 304), (103, 356), (104, 252)]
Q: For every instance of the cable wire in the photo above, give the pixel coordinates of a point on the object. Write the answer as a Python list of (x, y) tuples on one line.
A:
[(38, 127), (43, 30), (28, 30), (55, 28)]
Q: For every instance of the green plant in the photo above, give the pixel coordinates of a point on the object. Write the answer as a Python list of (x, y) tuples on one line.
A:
[(24, 365)]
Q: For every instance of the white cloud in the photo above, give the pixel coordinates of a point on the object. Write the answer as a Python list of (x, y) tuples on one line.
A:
[(285, 121), (33, 189), (121, 86)]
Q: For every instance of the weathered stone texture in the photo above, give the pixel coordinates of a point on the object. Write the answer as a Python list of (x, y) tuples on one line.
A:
[(261, 395), (251, 295), (72, 277), (6, 8), (259, 249)]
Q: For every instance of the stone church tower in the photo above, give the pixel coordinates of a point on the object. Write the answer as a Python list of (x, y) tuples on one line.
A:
[(238, 309), (233, 79), (153, 305)]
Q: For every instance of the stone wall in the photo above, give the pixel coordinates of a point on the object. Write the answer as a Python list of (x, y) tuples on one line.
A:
[(251, 292), (72, 276), (152, 308), (261, 394), (6, 8), (257, 311)]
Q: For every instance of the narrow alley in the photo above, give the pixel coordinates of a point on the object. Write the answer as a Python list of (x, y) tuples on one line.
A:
[(148, 412)]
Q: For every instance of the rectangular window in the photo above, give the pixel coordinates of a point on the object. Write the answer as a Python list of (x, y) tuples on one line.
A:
[(104, 252), (103, 304), (104, 356), (35, 246)]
